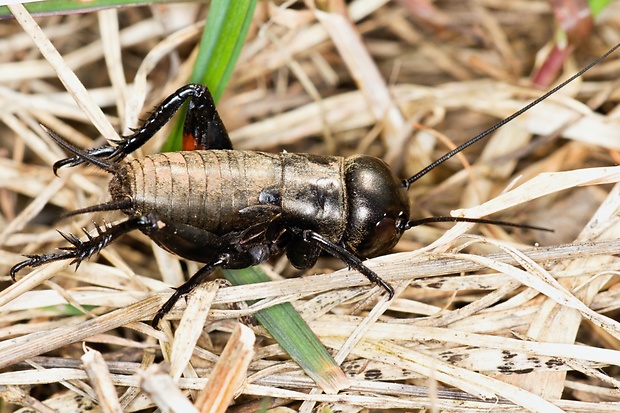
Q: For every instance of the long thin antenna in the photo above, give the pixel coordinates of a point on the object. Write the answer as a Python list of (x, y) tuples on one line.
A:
[(475, 139)]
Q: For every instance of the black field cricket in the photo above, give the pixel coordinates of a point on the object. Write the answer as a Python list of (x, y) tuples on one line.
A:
[(234, 209)]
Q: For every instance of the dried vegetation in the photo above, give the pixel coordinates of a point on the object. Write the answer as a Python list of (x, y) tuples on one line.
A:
[(485, 322)]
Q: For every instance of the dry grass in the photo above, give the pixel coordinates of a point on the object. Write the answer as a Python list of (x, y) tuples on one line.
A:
[(481, 322)]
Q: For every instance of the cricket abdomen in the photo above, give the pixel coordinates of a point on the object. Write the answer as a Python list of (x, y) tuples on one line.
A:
[(205, 189)]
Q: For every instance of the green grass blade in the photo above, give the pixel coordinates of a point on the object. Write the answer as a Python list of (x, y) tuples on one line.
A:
[(225, 32), (293, 334), (56, 7), (598, 5), (229, 22)]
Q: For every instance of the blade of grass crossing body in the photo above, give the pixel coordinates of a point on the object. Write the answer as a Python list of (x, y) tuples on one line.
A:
[(225, 31), (293, 334)]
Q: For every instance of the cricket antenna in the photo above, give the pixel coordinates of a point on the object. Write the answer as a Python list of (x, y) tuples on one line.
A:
[(408, 182)]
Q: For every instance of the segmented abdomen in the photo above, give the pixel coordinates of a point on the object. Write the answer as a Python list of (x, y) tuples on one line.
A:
[(206, 189)]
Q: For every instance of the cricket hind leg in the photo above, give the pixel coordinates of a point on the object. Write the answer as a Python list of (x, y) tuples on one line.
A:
[(203, 128), (201, 245), (184, 240), (83, 250)]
